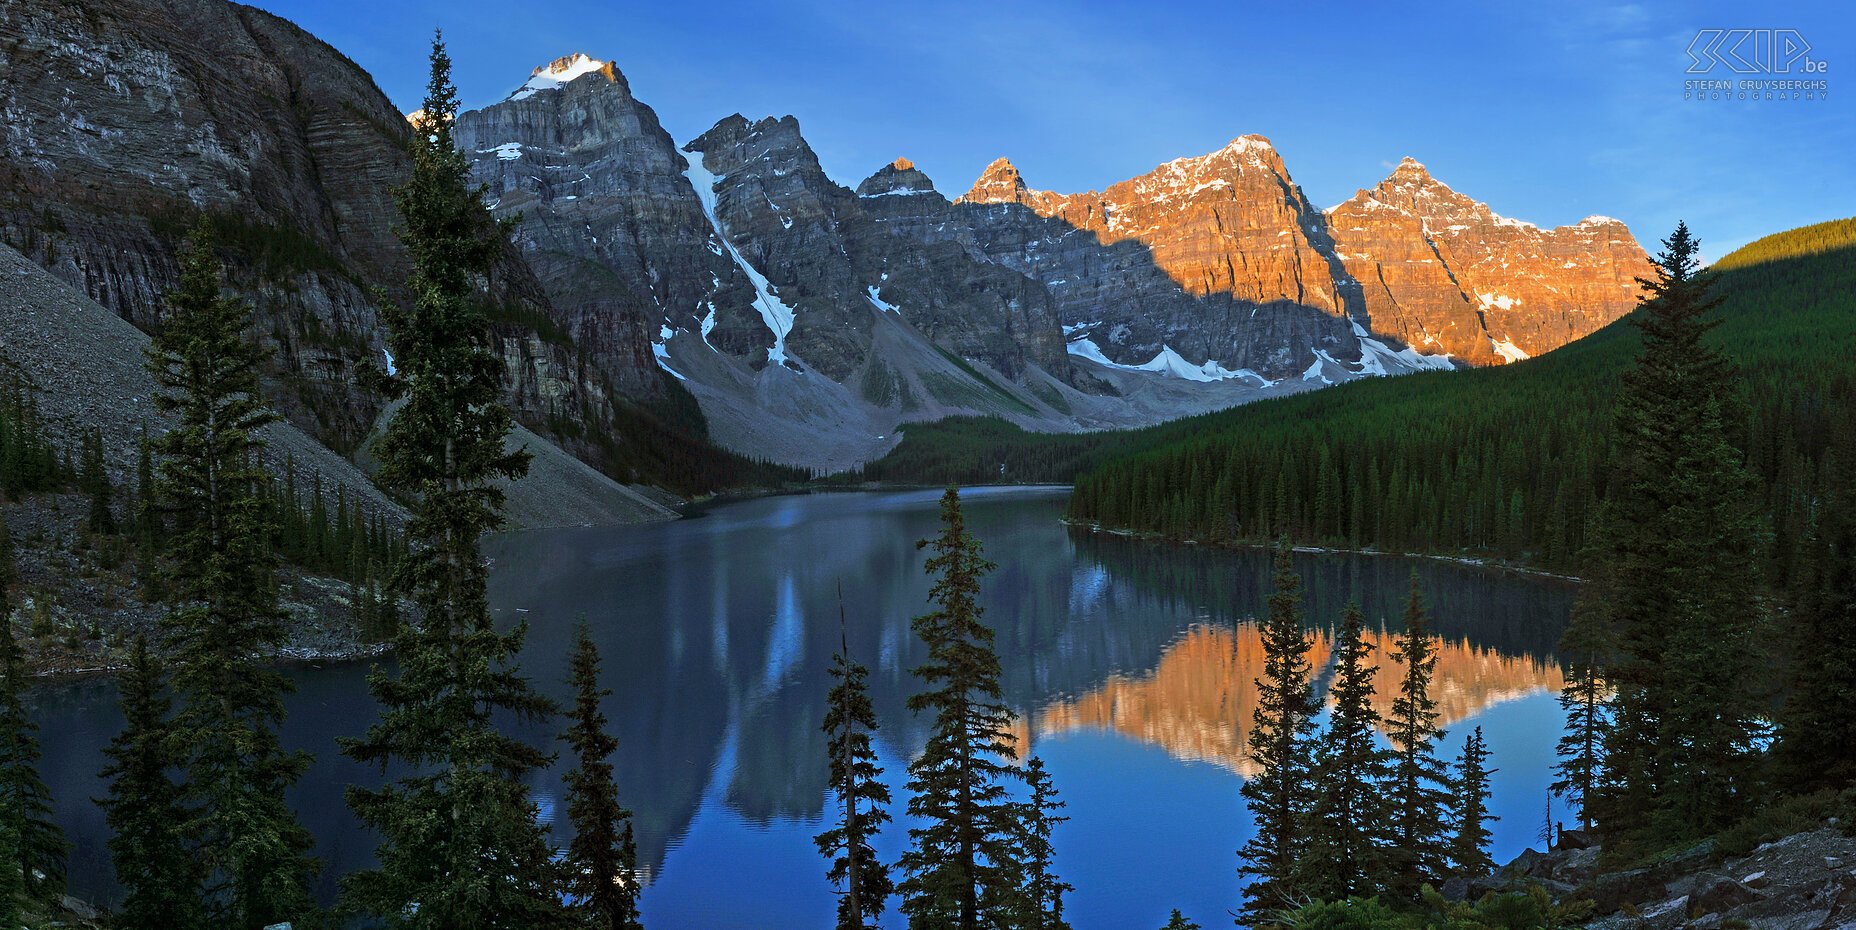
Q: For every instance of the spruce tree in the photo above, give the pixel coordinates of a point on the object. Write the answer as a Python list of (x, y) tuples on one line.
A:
[(1040, 894), (224, 613), (862, 798), (1470, 817), (1584, 700), (1678, 538), (602, 859), (1281, 733), (461, 846), (962, 867), (32, 848), (1419, 778), (148, 845), (1346, 852)]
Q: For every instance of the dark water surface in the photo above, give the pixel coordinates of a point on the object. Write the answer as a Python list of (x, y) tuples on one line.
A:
[(1128, 661)]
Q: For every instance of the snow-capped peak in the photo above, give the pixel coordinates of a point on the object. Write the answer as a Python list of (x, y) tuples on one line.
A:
[(555, 74)]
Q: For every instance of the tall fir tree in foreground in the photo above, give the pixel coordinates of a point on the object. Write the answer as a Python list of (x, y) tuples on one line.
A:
[(1584, 699), (1679, 538), (1346, 852), (461, 847), (148, 846), (1469, 816), (224, 615), (962, 868), (32, 848), (602, 859), (862, 798), (1040, 894), (1420, 782), (1281, 737)]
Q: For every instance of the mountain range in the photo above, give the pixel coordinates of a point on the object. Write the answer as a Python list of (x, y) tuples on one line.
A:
[(674, 314)]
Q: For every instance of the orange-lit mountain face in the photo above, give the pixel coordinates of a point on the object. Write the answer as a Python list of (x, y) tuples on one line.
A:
[(1409, 259), (1198, 702)]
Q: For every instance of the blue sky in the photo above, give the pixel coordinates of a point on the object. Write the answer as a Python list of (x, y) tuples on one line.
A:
[(1549, 111)]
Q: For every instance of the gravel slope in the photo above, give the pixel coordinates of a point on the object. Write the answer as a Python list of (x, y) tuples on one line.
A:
[(86, 366)]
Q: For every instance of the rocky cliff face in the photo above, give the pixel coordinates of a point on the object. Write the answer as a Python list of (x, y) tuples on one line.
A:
[(1219, 263), (1210, 260), (128, 122), (1441, 271), (804, 329)]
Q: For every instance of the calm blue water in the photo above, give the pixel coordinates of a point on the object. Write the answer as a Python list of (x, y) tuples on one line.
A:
[(1126, 658)]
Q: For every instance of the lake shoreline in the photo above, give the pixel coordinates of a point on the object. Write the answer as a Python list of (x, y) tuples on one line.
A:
[(1468, 561)]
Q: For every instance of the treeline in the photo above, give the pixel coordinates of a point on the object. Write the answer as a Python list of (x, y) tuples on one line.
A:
[(1513, 461)]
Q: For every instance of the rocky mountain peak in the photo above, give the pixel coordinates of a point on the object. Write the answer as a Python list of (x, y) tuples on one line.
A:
[(898, 177), (999, 183), (561, 71)]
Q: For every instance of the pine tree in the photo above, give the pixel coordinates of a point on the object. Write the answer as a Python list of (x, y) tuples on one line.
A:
[(1584, 700), (962, 867), (1040, 896), (1346, 851), (1469, 821), (225, 611), (32, 848), (862, 798), (148, 846), (1678, 538), (458, 798), (602, 860), (1281, 734), (1419, 779)]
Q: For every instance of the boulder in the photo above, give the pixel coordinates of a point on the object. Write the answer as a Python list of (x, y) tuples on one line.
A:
[(1716, 893), (1613, 890)]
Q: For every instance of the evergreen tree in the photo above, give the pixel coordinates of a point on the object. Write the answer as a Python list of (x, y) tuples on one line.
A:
[(1677, 542), (1419, 779), (1583, 699), (1040, 897), (225, 612), (962, 867), (32, 848), (1817, 733), (461, 847), (1281, 732), (1346, 852), (1469, 821), (148, 846), (862, 797), (1179, 922), (94, 478), (602, 860)]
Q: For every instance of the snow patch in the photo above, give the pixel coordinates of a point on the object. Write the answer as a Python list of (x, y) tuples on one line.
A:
[(773, 311), (557, 74), (1168, 363), (1379, 359), (1507, 350), (508, 151), (881, 304), (660, 349)]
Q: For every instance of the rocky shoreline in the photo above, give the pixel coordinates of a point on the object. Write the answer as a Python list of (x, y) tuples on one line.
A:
[(1801, 881)]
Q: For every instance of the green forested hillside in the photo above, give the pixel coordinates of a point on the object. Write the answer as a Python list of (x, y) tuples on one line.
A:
[(1508, 461)]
